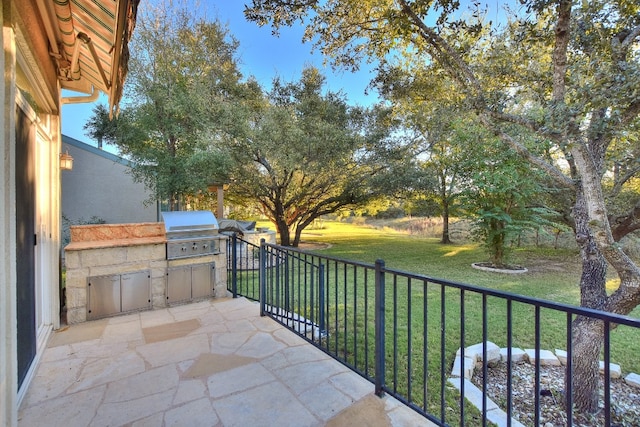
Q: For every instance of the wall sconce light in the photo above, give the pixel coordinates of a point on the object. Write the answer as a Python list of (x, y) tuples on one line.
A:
[(66, 161)]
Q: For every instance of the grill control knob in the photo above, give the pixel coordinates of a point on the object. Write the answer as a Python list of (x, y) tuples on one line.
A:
[(183, 249), (205, 246)]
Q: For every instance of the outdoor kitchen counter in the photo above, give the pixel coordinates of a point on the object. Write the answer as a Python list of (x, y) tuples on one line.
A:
[(113, 269), (108, 255), (95, 236), (100, 244)]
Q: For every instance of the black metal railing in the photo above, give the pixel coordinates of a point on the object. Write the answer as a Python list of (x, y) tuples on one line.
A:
[(402, 331), (243, 268)]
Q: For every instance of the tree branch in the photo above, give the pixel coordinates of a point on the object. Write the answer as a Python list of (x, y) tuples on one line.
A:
[(518, 120), (448, 53), (623, 225), (555, 173), (626, 42), (630, 113), (631, 173), (562, 38)]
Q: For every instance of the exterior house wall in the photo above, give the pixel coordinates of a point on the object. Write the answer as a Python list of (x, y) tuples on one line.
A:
[(100, 185), (30, 86), (37, 65)]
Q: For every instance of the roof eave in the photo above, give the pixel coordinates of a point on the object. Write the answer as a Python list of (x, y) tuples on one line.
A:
[(127, 12)]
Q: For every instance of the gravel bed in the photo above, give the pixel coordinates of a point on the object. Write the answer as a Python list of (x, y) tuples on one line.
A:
[(625, 399)]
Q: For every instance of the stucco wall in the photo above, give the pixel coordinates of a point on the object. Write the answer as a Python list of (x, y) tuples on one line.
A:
[(100, 186)]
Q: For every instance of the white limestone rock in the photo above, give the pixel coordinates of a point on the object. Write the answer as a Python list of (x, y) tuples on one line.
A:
[(475, 352), (468, 353), (614, 370), (472, 393), (468, 367), (633, 380), (547, 358), (562, 356), (474, 396), (518, 355)]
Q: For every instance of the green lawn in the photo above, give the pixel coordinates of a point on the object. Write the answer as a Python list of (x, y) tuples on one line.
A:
[(549, 269)]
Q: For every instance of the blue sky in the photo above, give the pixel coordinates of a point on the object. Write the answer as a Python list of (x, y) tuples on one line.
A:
[(261, 55), (265, 56)]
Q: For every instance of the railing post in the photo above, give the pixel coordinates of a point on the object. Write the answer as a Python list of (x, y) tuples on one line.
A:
[(287, 295), (263, 277), (234, 265), (323, 329), (379, 329)]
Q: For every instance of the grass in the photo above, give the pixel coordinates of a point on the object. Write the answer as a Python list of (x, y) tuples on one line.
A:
[(548, 268)]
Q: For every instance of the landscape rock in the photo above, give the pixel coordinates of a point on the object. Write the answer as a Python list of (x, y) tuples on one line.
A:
[(614, 370), (562, 356), (475, 352), (633, 380), (469, 365), (518, 355), (547, 358)]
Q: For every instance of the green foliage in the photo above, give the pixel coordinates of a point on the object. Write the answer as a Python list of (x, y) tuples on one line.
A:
[(305, 153), (502, 197), (430, 52), (101, 127), (183, 77), (443, 128)]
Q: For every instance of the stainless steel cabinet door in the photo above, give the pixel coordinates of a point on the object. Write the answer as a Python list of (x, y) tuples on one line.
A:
[(103, 296), (202, 280), (135, 289), (178, 284)]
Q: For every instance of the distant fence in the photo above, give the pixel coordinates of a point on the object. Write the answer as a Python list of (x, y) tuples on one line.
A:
[(401, 330)]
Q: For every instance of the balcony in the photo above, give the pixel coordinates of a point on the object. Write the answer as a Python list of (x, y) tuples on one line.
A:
[(210, 363), (404, 332), (326, 340)]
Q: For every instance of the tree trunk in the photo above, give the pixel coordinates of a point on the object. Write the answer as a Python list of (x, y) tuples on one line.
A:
[(587, 334), (298, 236), (497, 242), (174, 205), (445, 224), (283, 231), (587, 338)]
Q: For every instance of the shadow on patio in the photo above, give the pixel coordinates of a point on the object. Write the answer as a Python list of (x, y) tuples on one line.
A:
[(212, 363)]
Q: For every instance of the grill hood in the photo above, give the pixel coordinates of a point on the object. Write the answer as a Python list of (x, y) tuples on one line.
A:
[(180, 224)]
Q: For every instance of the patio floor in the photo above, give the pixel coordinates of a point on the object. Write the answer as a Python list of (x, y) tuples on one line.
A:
[(211, 363)]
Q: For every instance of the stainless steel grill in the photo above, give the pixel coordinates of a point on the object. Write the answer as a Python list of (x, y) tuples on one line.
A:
[(191, 234)]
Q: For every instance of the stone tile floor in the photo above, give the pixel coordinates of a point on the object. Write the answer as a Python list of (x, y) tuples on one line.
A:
[(211, 363)]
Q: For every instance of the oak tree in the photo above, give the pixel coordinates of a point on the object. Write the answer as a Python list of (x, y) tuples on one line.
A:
[(183, 76), (305, 153)]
